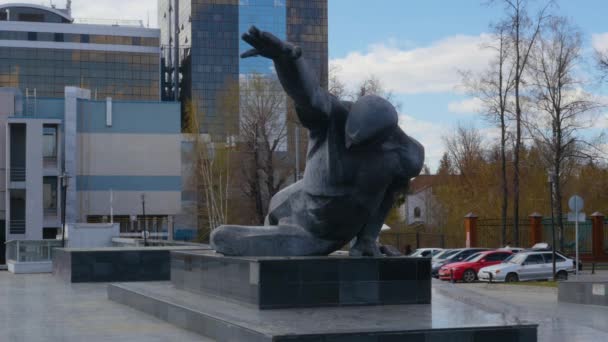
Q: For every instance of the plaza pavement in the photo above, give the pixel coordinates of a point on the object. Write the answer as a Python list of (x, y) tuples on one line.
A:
[(40, 307), (558, 322)]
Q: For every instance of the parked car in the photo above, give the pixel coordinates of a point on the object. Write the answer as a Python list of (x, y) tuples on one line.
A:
[(513, 250), (467, 270), (426, 252), (528, 265), (543, 246), (460, 254), (443, 254)]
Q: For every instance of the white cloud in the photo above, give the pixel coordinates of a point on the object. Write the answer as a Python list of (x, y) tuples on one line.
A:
[(431, 69), (600, 41), (466, 106), (428, 134), (106, 9)]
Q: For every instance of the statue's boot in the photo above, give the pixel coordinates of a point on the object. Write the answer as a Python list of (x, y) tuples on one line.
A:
[(280, 240)]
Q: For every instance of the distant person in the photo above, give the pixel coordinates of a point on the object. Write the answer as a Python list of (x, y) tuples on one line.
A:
[(408, 250)]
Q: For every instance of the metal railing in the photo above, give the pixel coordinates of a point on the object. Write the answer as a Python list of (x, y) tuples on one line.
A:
[(50, 212), (17, 174), (17, 226), (31, 250)]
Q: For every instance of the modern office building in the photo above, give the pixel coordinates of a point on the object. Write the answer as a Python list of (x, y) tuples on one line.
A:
[(42, 50), (200, 43), (112, 152)]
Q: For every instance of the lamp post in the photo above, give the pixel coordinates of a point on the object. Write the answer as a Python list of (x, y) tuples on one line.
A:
[(551, 178), (143, 209), (64, 187)]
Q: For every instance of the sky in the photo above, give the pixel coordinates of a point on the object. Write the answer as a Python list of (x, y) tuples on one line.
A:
[(417, 48)]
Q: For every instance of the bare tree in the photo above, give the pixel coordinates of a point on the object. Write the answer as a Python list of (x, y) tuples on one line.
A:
[(209, 174), (562, 107), (263, 134), (523, 33), (335, 85), (445, 165), (494, 88), (464, 149)]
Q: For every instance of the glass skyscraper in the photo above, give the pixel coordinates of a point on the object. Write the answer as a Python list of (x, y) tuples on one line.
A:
[(204, 42), (42, 51)]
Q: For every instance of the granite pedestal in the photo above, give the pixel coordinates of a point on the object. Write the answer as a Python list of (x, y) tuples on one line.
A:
[(78, 265), (590, 290), (312, 299), (281, 282)]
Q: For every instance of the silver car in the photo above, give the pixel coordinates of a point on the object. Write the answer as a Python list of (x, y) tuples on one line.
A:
[(528, 265)]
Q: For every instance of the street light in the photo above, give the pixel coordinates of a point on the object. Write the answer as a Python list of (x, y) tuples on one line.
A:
[(551, 179), (65, 178), (143, 209)]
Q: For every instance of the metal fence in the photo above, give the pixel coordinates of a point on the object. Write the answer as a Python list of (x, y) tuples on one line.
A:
[(585, 235), (414, 239), (489, 233)]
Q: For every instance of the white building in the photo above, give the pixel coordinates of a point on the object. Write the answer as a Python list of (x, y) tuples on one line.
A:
[(112, 151)]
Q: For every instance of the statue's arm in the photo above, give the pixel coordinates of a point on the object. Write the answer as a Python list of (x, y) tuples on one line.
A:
[(301, 84), (314, 103)]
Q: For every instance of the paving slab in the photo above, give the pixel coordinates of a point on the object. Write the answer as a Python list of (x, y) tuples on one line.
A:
[(42, 308)]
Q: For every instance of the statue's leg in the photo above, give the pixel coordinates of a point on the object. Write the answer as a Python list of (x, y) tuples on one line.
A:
[(366, 243), (279, 240)]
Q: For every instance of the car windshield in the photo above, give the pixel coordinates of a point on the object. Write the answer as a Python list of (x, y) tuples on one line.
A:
[(418, 252), (517, 258), (446, 254), (508, 259), (437, 251), (475, 257)]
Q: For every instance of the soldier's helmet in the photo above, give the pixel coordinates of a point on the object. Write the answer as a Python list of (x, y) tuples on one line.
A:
[(370, 119)]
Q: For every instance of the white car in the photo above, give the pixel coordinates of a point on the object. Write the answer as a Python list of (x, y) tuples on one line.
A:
[(528, 265), (426, 252)]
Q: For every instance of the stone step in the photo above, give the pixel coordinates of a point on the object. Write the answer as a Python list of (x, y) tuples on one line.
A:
[(221, 320)]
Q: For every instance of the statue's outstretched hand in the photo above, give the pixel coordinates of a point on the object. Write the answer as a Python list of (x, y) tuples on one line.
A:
[(267, 45)]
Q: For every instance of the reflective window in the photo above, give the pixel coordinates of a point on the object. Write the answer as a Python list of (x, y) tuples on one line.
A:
[(121, 75)]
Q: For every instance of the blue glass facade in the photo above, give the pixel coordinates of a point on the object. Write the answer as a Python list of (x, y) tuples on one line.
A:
[(209, 45), (268, 15)]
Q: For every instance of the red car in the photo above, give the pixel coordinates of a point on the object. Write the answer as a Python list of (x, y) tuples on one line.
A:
[(467, 270)]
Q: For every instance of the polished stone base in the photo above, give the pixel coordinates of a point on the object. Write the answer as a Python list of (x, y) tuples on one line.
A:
[(444, 320), (590, 290), (81, 265), (290, 282)]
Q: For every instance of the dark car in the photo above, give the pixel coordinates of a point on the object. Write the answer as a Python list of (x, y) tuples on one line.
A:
[(460, 255)]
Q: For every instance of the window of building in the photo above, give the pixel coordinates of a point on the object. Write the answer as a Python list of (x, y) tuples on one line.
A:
[(58, 37), (32, 36), (417, 213), (49, 194), (3, 16), (31, 17), (84, 38), (49, 141)]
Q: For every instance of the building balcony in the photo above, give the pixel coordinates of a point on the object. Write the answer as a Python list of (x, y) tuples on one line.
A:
[(51, 214), (16, 227), (17, 174)]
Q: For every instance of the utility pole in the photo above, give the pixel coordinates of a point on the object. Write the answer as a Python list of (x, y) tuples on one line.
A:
[(143, 209)]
